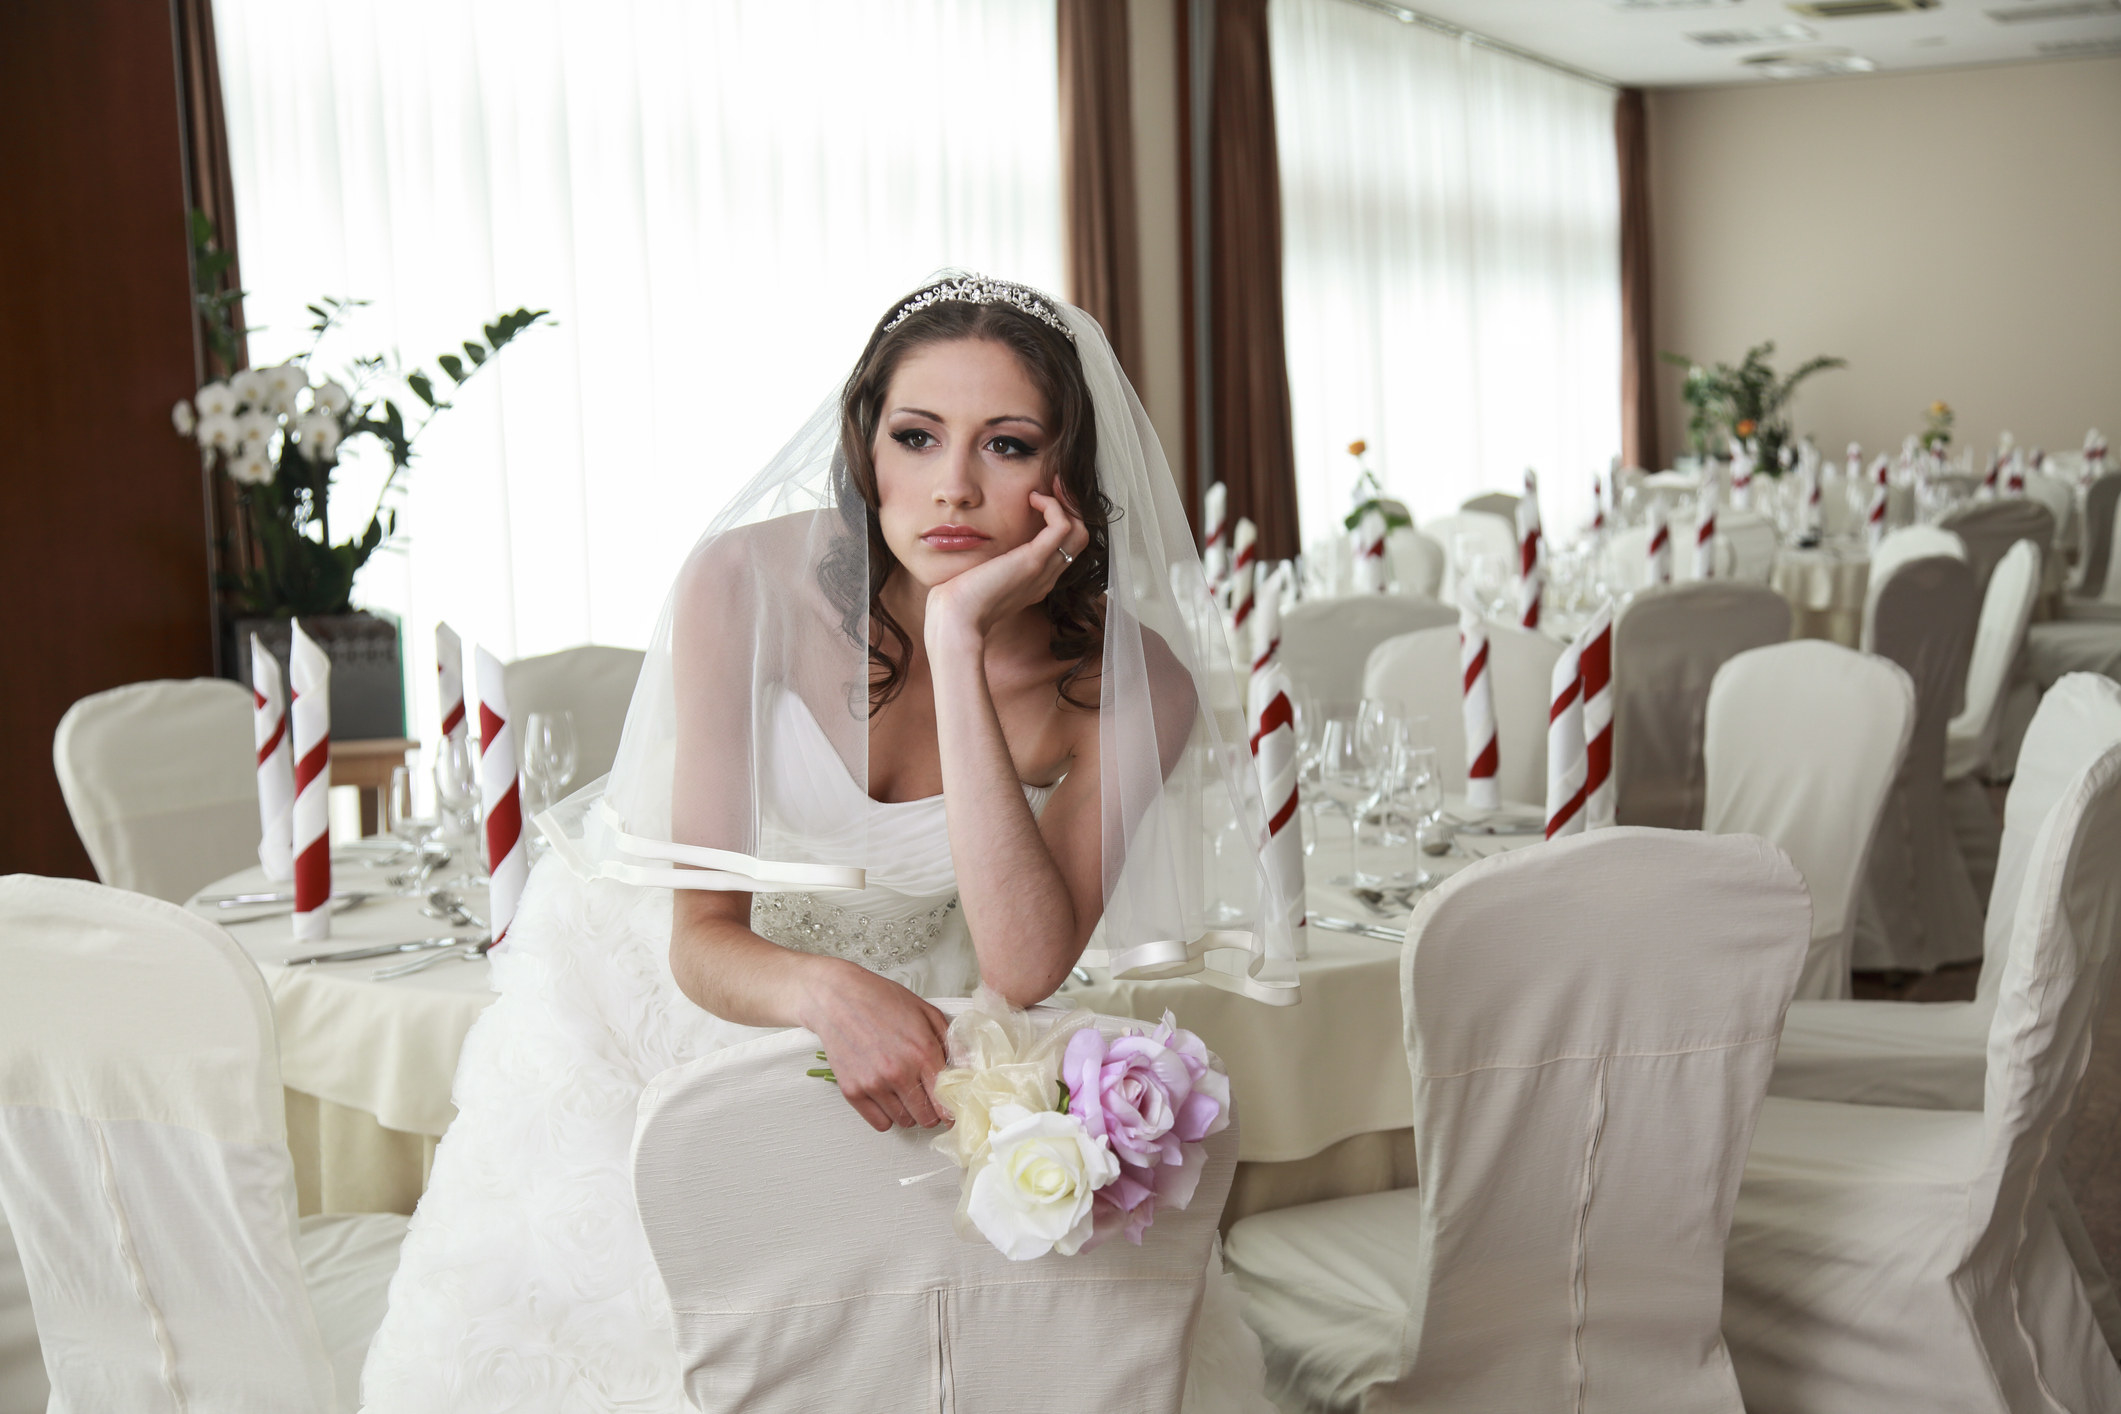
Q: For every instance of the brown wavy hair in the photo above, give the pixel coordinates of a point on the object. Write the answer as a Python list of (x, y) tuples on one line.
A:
[(1075, 609)]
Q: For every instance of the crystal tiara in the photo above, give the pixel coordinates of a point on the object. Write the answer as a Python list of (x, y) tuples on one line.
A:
[(978, 289)]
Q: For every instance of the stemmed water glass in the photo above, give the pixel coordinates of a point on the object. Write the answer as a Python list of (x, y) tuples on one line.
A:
[(1381, 734), (456, 781), (549, 756), (1345, 779)]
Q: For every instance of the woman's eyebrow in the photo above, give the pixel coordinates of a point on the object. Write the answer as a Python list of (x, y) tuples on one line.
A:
[(1016, 417)]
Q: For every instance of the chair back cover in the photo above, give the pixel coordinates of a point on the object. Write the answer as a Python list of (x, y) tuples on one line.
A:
[(1417, 562), (803, 1275), (1471, 533), (1990, 528), (593, 682), (1590, 1025), (161, 779), (1753, 541), (1421, 670), (1802, 745), (2078, 721), (1914, 542), (1325, 643), (1494, 503), (1668, 643), (143, 1158), (2006, 609), (1920, 910), (2102, 507)]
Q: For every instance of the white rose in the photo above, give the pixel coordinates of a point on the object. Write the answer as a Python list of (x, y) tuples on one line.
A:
[(218, 432), (250, 467), (332, 398), (249, 387), (183, 418), (318, 433), (1033, 1195), (216, 400)]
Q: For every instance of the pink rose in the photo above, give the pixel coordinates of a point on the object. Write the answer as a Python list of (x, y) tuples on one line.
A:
[(1153, 1097)]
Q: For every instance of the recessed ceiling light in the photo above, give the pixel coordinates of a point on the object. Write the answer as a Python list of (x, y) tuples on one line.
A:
[(1761, 34), (1807, 64)]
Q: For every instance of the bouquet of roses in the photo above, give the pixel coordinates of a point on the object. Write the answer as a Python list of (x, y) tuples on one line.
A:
[(1067, 1136)]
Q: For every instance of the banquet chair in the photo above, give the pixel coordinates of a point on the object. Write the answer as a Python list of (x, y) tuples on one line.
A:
[(594, 683), (161, 779), (1417, 562), (1802, 743), (2060, 498), (1753, 541), (145, 1174), (1988, 529), (1919, 908), (804, 1275), (1421, 670), (2085, 637), (1887, 1258), (2094, 592), (1325, 643), (1494, 503), (1970, 737), (1668, 643), (1468, 535), (1589, 1026)]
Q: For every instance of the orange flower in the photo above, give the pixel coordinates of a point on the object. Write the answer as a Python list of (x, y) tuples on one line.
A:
[(1357, 447), (1746, 427), (1938, 409)]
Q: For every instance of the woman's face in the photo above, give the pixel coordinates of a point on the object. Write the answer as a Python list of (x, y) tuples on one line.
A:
[(960, 447)]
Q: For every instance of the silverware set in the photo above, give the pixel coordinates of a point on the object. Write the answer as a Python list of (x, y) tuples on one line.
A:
[(275, 903), (1365, 930)]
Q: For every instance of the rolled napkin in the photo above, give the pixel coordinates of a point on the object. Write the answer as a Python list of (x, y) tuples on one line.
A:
[(1244, 543), (1244, 568), (1274, 756), (2014, 477), (449, 670), (1599, 481), (1531, 554), (1787, 456), (501, 797), (2094, 454), (1214, 545), (1741, 474), (1814, 502), (276, 765), (1594, 649), (1243, 595), (309, 673), (1369, 545), (1705, 535), (1660, 546), (1483, 757), (1567, 769), (1266, 629), (1854, 471), (1881, 496)]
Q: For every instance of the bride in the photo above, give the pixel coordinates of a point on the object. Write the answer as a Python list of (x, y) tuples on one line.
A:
[(924, 710)]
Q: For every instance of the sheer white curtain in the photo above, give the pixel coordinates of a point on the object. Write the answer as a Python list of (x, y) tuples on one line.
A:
[(1451, 265), (716, 199)]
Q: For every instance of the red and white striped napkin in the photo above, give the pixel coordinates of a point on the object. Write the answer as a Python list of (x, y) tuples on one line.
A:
[(2014, 477), (1567, 765), (1370, 572), (1531, 554), (1266, 628), (1272, 715), (1741, 473), (449, 670), (1594, 651), (1599, 481), (1214, 532), (1660, 546), (276, 765), (1705, 534), (1244, 571), (1854, 471), (2094, 454), (1881, 496), (309, 672), (1477, 683), (501, 798)]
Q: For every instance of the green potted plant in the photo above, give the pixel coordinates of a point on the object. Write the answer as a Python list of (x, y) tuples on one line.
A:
[(1746, 402), (275, 435)]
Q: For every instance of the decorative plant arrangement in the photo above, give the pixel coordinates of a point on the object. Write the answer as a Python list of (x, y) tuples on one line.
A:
[(1370, 493), (1745, 402), (1937, 433)]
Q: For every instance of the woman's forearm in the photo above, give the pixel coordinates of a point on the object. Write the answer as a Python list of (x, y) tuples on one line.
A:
[(1016, 902), (728, 970)]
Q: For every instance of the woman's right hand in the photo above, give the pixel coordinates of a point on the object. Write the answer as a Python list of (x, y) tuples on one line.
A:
[(883, 1043)]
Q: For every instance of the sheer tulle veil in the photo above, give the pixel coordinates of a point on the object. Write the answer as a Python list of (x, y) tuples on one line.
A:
[(752, 615)]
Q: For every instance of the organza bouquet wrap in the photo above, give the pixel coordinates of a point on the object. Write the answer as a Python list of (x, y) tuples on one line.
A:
[(1066, 1135)]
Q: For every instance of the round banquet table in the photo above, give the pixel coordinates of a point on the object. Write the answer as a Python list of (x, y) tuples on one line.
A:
[(1825, 585), (1323, 1088)]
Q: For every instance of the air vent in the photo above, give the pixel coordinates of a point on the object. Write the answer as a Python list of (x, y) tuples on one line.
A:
[(1765, 34), (1858, 9), (2078, 48), (1673, 4), (2065, 10), (1807, 64)]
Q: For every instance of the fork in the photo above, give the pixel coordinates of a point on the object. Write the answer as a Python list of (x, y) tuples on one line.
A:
[(471, 952)]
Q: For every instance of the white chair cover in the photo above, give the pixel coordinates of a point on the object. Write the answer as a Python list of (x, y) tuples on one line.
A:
[(1590, 1025), (1914, 542), (145, 1174), (804, 1276), (1753, 541), (161, 779), (1990, 528), (593, 682), (1919, 908), (1887, 1258), (2102, 508), (1325, 643), (1421, 670), (2006, 609), (1494, 503), (23, 1387), (1472, 533), (1417, 562), (1802, 745), (2060, 498), (1668, 644)]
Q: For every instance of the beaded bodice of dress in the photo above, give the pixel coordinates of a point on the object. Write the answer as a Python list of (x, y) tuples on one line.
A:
[(909, 907)]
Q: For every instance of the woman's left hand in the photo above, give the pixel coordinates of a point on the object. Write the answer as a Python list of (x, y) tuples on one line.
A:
[(985, 595)]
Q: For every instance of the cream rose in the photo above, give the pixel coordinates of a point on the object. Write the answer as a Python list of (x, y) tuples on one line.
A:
[(1033, 1195)]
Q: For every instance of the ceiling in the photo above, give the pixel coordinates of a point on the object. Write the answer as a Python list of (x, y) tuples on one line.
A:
[(1649, 43)]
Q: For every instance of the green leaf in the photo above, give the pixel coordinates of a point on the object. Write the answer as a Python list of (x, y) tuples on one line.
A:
[(1063, 1105), (821, 1073), (453, 366), (474, 352), (422, 385)]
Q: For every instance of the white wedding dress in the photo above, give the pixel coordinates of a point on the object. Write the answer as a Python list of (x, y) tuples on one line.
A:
[(526, 1283)]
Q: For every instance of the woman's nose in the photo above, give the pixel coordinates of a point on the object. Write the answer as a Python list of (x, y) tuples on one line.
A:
[(957, 480)]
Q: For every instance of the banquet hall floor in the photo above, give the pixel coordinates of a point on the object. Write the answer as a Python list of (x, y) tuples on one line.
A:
[(2092, 1162)]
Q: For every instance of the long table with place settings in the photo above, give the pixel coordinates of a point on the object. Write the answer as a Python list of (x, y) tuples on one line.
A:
[(1324, 1097)]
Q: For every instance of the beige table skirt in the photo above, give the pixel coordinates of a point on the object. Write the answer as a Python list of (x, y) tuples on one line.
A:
[(347, 1162)]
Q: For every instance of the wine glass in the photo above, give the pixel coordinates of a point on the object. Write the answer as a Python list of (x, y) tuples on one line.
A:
[(549, 755), (1422, 792), (1381, 735), (1346, 780), (456, 778)]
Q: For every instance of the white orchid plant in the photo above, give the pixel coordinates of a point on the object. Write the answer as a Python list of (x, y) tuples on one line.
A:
[(276, 435)]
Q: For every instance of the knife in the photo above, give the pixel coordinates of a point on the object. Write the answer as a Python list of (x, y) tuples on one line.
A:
[(380, 950), (1345, 925)]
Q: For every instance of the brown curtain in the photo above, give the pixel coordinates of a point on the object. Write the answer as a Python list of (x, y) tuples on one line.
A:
[(1253, 449), (1097, 172), (1638, 350)]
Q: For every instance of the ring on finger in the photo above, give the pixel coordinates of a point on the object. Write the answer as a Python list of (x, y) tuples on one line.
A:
[(1063, 553)]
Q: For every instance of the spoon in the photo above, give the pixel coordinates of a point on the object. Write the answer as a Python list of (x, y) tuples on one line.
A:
[(470, 952)]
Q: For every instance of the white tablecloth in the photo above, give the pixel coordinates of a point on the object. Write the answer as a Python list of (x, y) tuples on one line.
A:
[(1825, 586)]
